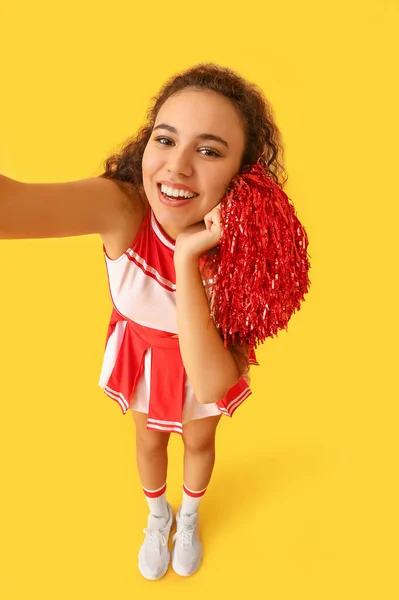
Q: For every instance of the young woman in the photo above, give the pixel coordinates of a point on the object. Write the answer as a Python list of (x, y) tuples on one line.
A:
[(156, 207)]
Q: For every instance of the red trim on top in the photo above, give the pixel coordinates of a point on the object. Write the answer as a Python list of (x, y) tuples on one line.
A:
[(193, 494), (155, 494), (148, 273), (167, 236)]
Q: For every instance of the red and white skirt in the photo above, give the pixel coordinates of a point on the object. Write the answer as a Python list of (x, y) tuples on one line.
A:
[(143, 370)]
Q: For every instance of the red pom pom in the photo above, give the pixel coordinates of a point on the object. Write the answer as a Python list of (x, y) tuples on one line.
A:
[(258, 274)]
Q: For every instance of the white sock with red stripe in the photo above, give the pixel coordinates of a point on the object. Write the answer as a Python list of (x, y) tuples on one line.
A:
[(191, 500), (157, 501)]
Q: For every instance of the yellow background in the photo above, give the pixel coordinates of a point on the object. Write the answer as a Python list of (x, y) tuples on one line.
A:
[(303, 501)]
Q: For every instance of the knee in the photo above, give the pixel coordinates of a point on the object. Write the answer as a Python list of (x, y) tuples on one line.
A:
[(151, 442), (198, 444)]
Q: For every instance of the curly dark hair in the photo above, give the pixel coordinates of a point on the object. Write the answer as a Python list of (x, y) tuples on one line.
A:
[(262, 136)]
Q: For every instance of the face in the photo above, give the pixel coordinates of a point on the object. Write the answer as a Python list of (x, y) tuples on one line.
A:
[(197, 142)]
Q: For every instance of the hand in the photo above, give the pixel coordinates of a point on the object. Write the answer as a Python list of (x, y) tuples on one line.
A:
[(196, 239)]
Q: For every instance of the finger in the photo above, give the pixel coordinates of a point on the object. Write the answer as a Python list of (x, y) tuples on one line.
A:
[(208, 220), (212, 221), (216, 217), (212, 218)]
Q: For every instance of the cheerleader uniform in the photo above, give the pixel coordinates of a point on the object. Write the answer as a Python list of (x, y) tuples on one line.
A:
[(142, 368)]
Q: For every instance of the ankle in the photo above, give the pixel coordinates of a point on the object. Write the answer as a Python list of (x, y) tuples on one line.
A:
[(191, 500), (156, 500)]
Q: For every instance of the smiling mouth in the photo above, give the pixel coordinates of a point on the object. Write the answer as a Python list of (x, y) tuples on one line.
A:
[(176, 198)]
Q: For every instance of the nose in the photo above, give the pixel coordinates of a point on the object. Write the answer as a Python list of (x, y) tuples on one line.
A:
[(179, 161)]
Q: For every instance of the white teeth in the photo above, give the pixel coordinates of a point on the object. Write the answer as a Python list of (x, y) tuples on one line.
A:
[(176, 193)]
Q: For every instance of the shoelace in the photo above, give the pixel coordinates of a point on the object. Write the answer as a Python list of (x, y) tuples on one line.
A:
[(186, 532), (155, 537)]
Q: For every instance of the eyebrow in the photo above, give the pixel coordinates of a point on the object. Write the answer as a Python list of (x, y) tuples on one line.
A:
[(201, 136)]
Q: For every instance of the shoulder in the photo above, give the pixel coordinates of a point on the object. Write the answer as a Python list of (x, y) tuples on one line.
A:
[(133, 208)]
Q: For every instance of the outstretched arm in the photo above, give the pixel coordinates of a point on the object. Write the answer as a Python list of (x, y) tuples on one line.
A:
[(51, 210)]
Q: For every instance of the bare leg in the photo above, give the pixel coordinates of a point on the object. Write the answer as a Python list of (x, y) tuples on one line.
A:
[(199, 451), (199, 460), (151, 453), (152, 463)]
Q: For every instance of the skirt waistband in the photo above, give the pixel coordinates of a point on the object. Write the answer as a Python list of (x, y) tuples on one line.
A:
[(154, 337)]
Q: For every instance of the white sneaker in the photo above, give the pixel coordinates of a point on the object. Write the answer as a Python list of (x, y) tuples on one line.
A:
[(187, 551), (154, 555)]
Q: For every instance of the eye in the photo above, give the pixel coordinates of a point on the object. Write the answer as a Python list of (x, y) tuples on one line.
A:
[(162, 139), (158, 139), (213, 152)]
